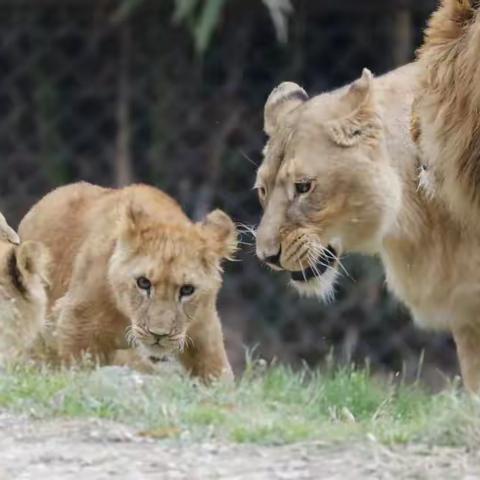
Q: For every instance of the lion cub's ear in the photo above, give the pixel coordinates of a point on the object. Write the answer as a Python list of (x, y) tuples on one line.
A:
[(362, 122), (221, 229), (8, 233), (33, 258), (132, 217), (283, 99)]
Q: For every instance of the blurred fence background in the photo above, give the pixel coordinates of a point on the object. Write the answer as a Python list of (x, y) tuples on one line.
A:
[(171, 93)]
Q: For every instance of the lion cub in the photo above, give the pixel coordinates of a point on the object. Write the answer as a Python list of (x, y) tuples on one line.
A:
[(131, 269), (23, 296)]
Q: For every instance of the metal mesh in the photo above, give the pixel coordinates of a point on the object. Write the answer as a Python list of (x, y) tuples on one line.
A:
[(86, 93)]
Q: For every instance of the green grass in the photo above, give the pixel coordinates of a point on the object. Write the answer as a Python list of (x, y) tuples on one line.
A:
[(268, 405)]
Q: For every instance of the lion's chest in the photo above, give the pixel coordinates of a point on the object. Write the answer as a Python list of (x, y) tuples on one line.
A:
[(439, 283)]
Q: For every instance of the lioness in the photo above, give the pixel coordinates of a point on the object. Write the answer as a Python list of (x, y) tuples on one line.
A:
[(340, 174), (23, 296), (130, 267)]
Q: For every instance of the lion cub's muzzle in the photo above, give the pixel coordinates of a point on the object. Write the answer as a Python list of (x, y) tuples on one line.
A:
[(326, 260), (166, 342), (158, 344)]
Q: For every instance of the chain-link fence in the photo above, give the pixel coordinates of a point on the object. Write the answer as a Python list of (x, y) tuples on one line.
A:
[(90, 91)]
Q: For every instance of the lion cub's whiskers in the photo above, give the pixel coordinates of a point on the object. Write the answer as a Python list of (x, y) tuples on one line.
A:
[(247, 236), (243, 228), (247, 244), (130, 336)]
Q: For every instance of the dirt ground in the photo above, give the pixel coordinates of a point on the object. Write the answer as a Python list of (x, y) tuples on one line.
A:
[(97, 450)]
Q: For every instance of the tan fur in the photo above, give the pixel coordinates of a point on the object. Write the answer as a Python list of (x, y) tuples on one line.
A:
[(103, 240), (447, 108), (7, 233), (23, 297), (366, 198)]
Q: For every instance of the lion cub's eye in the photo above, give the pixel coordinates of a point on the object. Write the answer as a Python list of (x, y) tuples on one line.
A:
[(144, 283), (303, 187), (186, 290)]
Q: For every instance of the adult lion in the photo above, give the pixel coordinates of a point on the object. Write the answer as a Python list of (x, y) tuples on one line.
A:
[(130, 267), (340, 174), (447, 109)]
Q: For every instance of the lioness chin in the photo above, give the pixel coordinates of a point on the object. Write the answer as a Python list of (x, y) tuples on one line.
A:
[(132, 270), (341, 174)]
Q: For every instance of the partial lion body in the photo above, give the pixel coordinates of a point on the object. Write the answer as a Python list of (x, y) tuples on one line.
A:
[(447, 107), (69, 216), (80, 224), (23, 298)]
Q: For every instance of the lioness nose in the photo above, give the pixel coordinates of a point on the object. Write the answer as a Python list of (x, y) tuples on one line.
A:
[(273, 259)]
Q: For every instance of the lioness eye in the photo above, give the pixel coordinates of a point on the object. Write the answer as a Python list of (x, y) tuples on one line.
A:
[(186, 290), (262, 192), (144, 283), (303, 187)]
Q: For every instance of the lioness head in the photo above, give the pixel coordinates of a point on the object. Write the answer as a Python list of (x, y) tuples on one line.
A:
[(326, 184), (23, 295), (163, 274)]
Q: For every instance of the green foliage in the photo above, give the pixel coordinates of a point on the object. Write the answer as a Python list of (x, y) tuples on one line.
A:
[(269, 405), (125, 9), (202, 17)]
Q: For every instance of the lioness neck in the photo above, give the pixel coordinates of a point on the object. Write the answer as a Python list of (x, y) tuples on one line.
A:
[(395, 94), (421, 243)]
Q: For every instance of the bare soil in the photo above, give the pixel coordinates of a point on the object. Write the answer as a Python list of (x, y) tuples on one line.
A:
[(96, 450)]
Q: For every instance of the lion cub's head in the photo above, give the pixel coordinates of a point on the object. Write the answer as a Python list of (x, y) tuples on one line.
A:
[(326, 184), (163, 273), (23, 295)]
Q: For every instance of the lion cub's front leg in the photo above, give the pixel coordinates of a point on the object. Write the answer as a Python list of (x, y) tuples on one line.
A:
[(204, 355), (83, 328)]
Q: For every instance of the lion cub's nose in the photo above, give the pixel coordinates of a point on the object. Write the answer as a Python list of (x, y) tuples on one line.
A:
[(158, 336)]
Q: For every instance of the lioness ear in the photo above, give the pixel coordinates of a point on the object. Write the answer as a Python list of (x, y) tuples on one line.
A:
[(282, 100), (33, 258), (7, 233), (362, 123), (222, 231)]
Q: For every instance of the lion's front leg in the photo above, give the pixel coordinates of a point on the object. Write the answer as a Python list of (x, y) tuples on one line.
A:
[(204, 355), (467, 339), (84, 331)]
